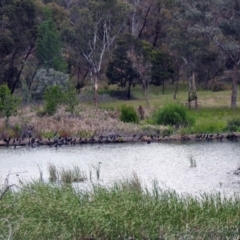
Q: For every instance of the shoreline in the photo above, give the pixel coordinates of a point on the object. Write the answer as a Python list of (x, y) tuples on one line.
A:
[(116, 139)]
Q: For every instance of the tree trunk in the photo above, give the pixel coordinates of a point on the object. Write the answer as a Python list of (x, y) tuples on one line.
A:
[(144, 22), (189, 91), (176, 77), (192, 91), (129, 90), (189, 100), (14, 84), (176, 88), (146, 90), (163, 86), (95, 86), (234, 83), (157, 28), (94, 75)]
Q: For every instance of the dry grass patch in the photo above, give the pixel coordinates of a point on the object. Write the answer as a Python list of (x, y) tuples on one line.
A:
[(86, 120)]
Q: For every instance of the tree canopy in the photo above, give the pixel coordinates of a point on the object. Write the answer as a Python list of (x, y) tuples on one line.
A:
[(48, 45), (160, 41), (120, 70)]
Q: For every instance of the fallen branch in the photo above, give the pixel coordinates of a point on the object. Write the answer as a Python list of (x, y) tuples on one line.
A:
[(5, 191), (7, 186)]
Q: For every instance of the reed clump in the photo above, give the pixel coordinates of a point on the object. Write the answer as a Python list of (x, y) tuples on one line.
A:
[(193, 162), (64, 175), (97, 169), (72, 175), (53, 173), (41, 210)]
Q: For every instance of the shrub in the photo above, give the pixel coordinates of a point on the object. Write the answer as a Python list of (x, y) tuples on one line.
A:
[(46, 77), (217, 86), (233, 125), (8, 103), (173, 115), (128, 114), (167, 132), (53, 97), (70, 100)]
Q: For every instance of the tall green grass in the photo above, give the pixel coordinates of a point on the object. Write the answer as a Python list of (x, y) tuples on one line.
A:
[(206, 120), (125, 210), (212, 119)]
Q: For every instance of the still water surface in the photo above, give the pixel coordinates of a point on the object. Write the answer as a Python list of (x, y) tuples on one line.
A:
[(168, 163)]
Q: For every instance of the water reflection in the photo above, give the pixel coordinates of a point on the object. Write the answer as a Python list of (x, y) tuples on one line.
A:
[(168, 163)]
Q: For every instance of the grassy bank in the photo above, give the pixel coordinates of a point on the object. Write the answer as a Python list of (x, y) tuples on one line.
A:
[(124, 211), (212, 115)]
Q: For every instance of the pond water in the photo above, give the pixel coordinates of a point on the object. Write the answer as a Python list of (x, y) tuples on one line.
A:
[(168, 163)]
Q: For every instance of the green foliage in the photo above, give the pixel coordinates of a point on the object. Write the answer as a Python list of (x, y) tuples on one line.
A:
[(49, 45), (46, 77), (53, 97), (6, 44), (120, 70), (47, 134), (233, 125), (70, 100), (8, 102), (18, 34), (167, 131), (211, 120), (173, 115), (128, 114), (208, 126), (162, 67)]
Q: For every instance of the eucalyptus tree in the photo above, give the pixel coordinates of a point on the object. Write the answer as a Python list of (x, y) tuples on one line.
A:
[(149, 20), (48, 45), (210, 60), (191, 40), (162, 68), (229, 39), (140, 53), (186, 47), (217, 22), (17, 39), (121, 70), (98, 24)]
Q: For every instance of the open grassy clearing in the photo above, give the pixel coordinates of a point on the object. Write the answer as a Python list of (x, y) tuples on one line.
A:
[(206, 98), (124, 211)]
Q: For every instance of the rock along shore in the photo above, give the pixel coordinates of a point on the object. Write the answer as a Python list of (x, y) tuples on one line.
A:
[(115, 138)]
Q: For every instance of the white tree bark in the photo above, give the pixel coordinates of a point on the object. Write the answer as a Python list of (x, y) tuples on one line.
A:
[(100, 42)]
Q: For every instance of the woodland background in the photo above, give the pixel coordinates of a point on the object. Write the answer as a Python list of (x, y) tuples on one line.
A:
[(121, 42)]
